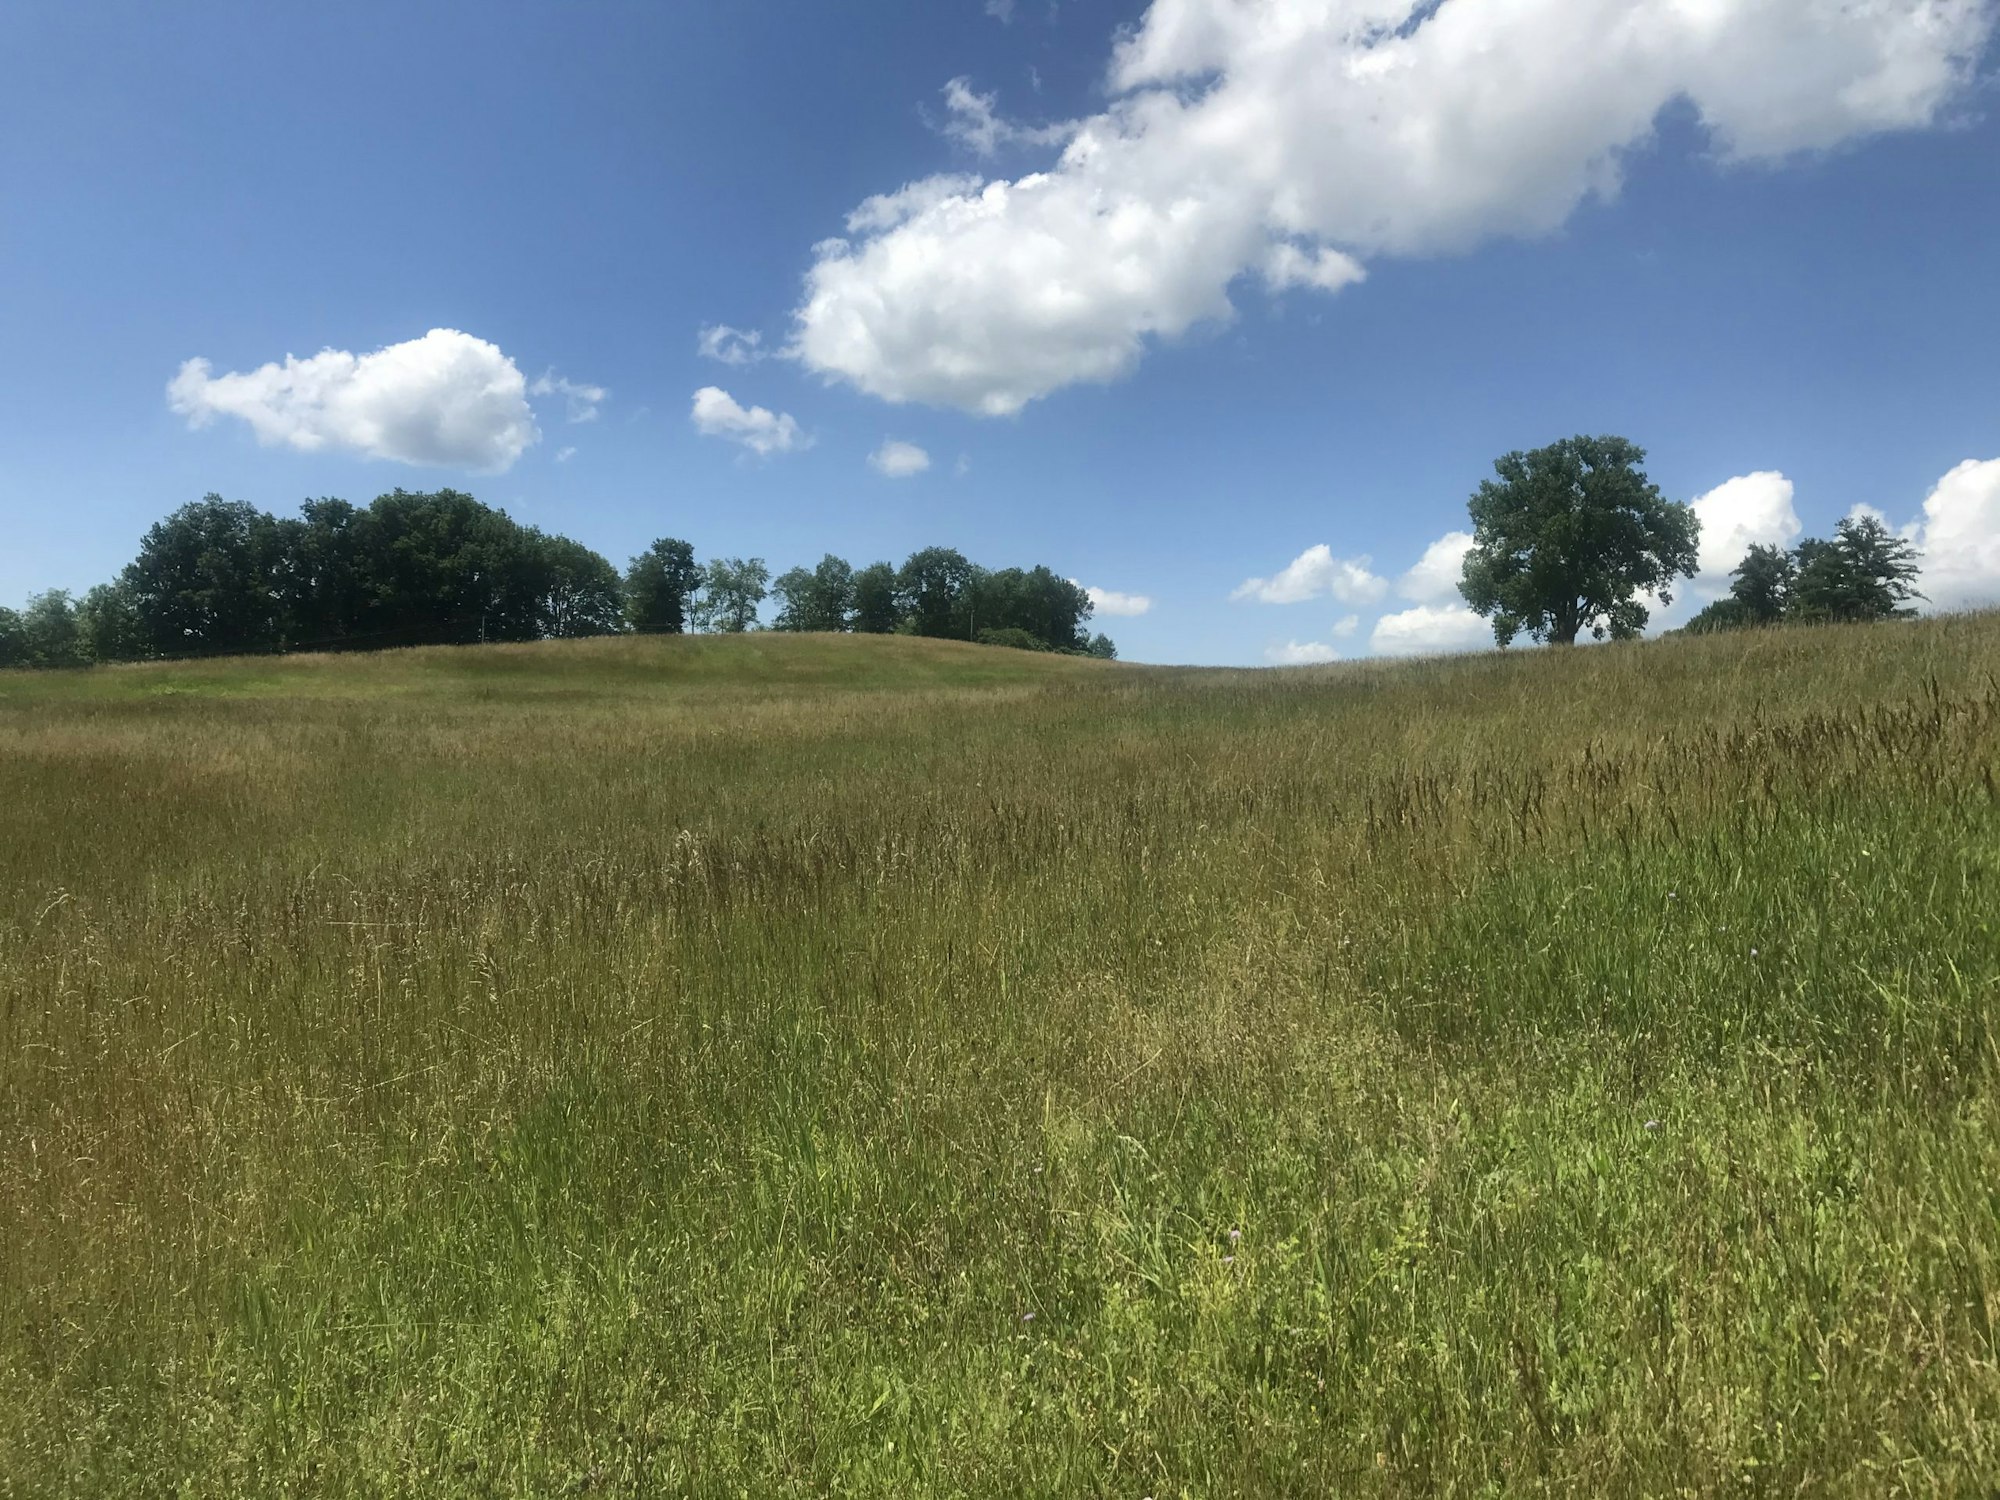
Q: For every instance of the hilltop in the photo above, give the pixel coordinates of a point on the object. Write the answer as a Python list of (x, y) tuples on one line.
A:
[(1671, 678), (597, 666)]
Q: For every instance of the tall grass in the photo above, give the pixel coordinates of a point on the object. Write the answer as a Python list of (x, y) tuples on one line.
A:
[(878, 1067)]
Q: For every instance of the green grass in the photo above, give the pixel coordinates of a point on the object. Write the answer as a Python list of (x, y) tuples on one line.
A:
[(877, 1067)]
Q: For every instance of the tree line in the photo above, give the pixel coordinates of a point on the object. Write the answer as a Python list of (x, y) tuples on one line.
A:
[(221, 577)]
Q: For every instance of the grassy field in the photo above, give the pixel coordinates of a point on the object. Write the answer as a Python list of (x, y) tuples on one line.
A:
[(877, 1067)]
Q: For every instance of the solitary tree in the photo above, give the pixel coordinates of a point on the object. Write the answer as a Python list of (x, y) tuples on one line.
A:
[(660, 586), (733, 589), (1568, 538)]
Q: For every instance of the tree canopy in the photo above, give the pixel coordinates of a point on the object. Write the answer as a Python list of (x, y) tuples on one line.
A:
[(875, 608), (660, 586), (820, 598), (1567, 539), (733, 589), (207, 579), (1866, 572)]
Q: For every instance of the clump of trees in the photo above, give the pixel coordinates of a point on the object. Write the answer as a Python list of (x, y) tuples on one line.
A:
[(222, 577), (1864, 572), (939, 592), (410, 569), (56, 630)]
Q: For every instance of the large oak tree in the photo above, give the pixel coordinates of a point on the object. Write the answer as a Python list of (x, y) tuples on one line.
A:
[(1567, 539)]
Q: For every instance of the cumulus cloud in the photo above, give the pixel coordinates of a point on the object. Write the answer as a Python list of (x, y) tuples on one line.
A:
[(1430, 628), (1434, 579), (447, 399), (716, 413), (1960, 537), (1749, 510), (1313, 572), (1296, 139), (581, 400), (1345, 626), (729, 346), (898, 460), (1111, 602), (1300, 654)]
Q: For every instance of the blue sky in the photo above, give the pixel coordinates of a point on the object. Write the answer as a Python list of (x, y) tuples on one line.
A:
[(1182, 292)]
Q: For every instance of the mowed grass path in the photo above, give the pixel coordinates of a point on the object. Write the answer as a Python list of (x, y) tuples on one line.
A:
[(875, 1067)]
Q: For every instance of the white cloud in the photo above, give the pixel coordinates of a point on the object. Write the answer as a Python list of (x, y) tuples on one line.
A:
[(1300, 654), (1961, 537), (1001, 11), (1299, 138), (898, 460), (730, 346), (1861, 509), (447, 399), (716, 413), (1322, 268), (1313, 572), (1345, 626), (1435, 577), (885, 211), (1430, 628), (973, 120), (1111, 602), (1749, 510), (581, 400), (564, 455)]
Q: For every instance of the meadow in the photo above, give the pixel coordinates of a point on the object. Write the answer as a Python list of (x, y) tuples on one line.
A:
[(867, 1067)]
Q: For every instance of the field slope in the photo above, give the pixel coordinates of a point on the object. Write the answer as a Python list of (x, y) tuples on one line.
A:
[(878, 1067)]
